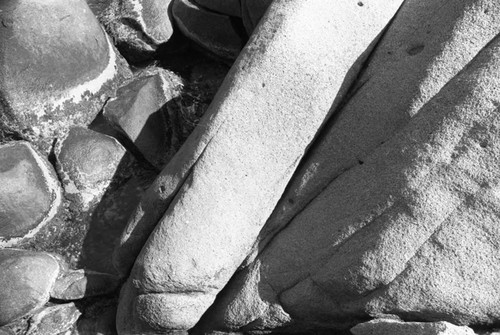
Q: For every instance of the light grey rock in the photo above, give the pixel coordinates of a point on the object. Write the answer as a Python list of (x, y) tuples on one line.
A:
[(26, 279), (409, 232), (395, 327), (141, 112), (397, 82), (30, 195), (138, 27), (58, 67), (78, 284), (215, 192), (55, 319), (87, 162)]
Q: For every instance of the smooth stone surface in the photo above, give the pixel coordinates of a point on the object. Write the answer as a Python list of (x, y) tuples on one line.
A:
[(55, 319), (411, 231), (141, 111), (78, 284), (395, 327), (58, 67), (26, 278), (215, 192), (87, 162), (138, 27), (30, 195), (213, 31)]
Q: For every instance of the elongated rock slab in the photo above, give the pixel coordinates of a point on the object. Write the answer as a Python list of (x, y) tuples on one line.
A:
[(395, 327), (223, 184), (411, 232), (426, 45)]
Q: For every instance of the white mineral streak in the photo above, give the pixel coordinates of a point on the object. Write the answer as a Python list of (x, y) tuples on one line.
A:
[(75, 94)]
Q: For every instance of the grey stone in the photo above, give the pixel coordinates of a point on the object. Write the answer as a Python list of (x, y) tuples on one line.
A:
[(411, 231), (87, 161), (214, 31), (395, 327), (78, 284), (58, 67), (215, 192), (140, 111), (30, 195), (138, 27), (26, 279), (55, 319)]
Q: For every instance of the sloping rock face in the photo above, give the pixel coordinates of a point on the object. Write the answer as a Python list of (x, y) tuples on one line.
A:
[(141, 112), (214, 191), (57, 67), (398, 216), (30, 195)]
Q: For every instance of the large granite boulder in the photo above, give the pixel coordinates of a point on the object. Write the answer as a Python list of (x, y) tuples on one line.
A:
[(57, 65), (30, 195), (215, 192), (408, 224), (26, 279)]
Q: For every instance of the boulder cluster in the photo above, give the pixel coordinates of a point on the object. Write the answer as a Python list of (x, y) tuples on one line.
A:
[(249, 166)]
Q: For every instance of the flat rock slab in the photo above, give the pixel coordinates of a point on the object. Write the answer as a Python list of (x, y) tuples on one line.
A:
[(87, 162), (58, 67), (395, 327), (142, 112), (216, 194), (138, 27), (30, 195), (26, 279), (215, 32)]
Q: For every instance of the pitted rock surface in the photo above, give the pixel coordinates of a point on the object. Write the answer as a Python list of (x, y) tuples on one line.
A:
[(30, 195), (141, 112), (395, 327), (411, 231), (87, 162), (26, 279), (226, 193), (58, 67)]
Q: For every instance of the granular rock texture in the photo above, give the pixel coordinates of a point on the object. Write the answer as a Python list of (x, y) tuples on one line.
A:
[(214, 191)]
